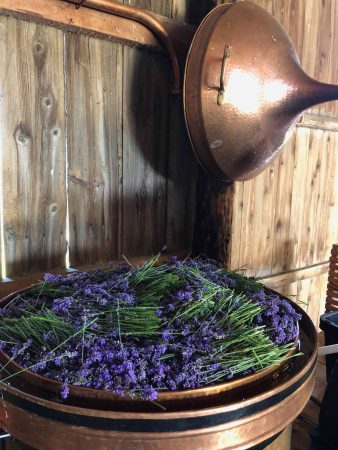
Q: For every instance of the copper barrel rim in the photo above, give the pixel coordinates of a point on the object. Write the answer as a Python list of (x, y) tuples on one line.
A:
[(161, 415), (185, 413), (90, 393), (297, 399)]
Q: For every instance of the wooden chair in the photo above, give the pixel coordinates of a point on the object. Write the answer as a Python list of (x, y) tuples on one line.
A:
[(332, 284)]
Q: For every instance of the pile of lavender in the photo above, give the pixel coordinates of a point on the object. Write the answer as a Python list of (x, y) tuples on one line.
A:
[(142, 330)]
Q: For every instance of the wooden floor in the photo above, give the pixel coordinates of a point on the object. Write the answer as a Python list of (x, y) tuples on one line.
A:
[(304, 424)]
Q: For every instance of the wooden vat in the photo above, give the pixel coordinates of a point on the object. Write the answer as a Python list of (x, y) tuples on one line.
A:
[(230, 420)]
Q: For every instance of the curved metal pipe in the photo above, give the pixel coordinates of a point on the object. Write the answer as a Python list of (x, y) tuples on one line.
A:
[(146, 19)]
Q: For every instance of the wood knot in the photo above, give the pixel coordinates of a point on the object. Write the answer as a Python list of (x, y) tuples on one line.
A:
[(47, 102), (53, 208), (39, 48), (21, 136)]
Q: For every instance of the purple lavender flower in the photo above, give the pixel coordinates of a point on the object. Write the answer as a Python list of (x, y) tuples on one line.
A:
[(64, 390)]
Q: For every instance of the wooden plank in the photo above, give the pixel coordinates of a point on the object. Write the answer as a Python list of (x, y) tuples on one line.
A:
[(316, 121), (325, 53), (145, 139), (214, 209), (3, 52), (94, 120), (253, 223), (332, 107), (311, 201), (287, 220), (327, 197), (64, 15), (284, 278), (330, 188), (162, 7), (180, 10), (246, 226), (310, 37), (180, 207), (281, 247), (298, 195), (32, 142), (236, 224)]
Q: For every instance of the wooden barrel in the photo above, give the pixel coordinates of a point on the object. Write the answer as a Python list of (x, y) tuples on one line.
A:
[(248, 420)]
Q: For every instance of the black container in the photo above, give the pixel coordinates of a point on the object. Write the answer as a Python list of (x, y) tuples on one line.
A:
[(329, 324)]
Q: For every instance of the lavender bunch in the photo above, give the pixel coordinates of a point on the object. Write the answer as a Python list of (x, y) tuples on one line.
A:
[(142, 330)]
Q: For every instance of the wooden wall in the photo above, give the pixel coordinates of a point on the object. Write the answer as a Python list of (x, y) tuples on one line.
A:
[(282, 224), (93, 148)]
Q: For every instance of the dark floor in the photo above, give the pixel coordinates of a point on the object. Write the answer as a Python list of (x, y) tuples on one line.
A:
[(304, 424)]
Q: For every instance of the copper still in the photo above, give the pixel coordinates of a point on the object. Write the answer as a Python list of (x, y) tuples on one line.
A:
[(243, 90), (239, 418)]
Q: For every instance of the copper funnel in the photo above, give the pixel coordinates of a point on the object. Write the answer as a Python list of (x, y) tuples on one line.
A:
[(244, 90)]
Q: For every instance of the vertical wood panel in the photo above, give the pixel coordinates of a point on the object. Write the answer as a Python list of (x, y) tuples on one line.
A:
[(313, 28), (325, 52), (32, 143), (182, 175), (145, 143), (180, 10), (297, 226), (309, 294), (162, 7), (94, 114), (286, 217), (3, 29), (282, 246)]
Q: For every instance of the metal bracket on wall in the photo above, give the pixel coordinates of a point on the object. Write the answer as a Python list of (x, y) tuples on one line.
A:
[(93, 16)]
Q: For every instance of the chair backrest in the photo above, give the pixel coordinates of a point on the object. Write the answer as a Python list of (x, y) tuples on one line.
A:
[(332, 284)]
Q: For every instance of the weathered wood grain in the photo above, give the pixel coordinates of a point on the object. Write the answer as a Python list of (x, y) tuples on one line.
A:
[(162, 7), (94, 137), (312, 26), (181, 181), (309, 293), (281, 279), (32, 143), (318, 122), (282, 246), (214, 209), (88, 21), (145, 140), (180, 10), (284, 221)]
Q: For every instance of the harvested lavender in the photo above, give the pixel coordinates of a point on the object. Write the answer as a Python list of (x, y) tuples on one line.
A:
[(142, 330)]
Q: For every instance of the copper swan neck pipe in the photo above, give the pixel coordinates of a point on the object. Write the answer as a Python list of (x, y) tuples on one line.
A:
[(146, 19)]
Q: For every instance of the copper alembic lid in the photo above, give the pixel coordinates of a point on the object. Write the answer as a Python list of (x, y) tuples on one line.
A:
[(244, 90)]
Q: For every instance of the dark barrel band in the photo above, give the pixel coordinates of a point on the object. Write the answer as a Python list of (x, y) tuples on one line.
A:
[(154, 425)]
